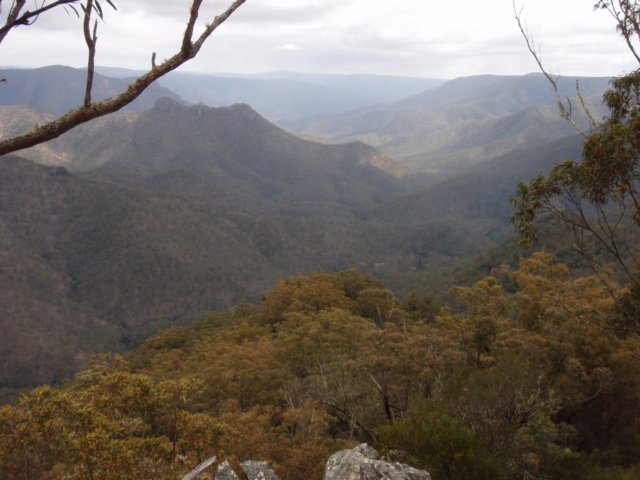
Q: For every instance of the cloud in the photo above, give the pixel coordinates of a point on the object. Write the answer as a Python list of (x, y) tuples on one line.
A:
[(290, 47), (410, 37)]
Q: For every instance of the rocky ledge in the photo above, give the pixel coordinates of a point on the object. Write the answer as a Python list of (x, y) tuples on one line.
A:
[(360, 463)]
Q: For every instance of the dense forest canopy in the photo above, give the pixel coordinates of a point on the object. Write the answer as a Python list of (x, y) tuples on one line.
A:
[(525, 375)]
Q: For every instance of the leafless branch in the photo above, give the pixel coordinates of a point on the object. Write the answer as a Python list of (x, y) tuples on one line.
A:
[(91, 38), (347, 415), (564, 103), (188, 34), (373, 379), (93, 110), (592, 122), (580, 248)]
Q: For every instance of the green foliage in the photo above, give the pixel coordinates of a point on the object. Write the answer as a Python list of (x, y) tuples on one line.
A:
[(599, 194), (627, 319), (439, 443)]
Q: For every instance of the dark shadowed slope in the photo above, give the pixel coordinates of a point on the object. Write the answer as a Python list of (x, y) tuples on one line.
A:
[(86, 266)]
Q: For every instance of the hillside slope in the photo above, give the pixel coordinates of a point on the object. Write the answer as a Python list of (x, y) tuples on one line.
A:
[(234, 155), (461, 123), (88, 266)]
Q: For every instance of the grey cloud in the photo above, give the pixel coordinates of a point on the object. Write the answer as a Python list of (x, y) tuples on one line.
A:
[(250, 12), (254, 37)]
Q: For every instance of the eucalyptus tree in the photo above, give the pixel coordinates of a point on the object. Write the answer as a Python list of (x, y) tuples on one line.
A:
[(599, 196)]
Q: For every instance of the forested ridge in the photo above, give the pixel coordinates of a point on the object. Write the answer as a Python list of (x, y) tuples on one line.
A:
[(529, 372)]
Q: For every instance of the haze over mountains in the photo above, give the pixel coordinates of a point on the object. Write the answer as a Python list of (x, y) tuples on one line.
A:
[(289, 95), (155, 216), (463, 122)]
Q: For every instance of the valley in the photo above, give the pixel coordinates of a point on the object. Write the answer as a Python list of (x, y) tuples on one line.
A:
[(155, 216)]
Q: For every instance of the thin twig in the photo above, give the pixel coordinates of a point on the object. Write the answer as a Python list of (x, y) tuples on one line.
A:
[(592, 122), (15, 19), (91, 40), (564, 105)]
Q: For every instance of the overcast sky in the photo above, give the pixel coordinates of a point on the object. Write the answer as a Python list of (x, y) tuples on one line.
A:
[(428, 38)]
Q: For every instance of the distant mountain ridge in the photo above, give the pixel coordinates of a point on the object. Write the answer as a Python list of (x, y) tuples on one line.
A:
[(283, 95), (505, 94), (465, 121), (480, 194), (288, 95), (440, 130), (58, 89)]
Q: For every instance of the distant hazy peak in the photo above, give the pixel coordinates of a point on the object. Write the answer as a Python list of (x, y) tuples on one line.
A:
[(166, 104)]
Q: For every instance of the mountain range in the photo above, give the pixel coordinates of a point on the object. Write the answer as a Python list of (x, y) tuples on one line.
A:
[(289, 95), (464, 121), (154, 216)]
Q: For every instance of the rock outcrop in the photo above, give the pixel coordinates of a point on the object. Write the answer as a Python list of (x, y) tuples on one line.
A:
[(258, 470), (225, 472), (364, 463), (360, 463)]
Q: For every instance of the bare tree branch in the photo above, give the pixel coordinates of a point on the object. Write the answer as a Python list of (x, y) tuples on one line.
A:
[(93, 110), (12, 18), (347, 415), (91, 39), (592, 121), (564, 104), (188, 34)]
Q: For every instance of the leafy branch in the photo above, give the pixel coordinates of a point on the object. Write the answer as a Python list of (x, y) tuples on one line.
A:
[(599, 195)]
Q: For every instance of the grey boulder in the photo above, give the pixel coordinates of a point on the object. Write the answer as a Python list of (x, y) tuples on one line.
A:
[(258, 470), (364, 463), (225, 472)]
